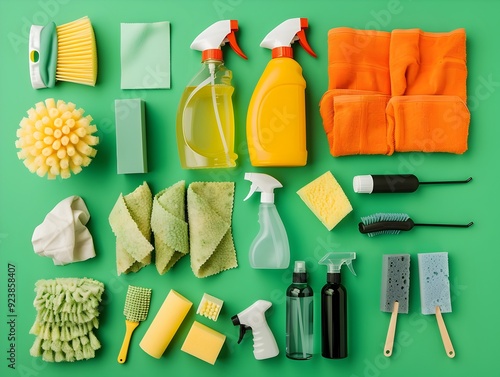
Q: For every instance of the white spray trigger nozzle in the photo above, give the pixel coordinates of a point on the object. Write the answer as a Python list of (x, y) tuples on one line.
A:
[(253, 188), (214, 37), (263, 183), (286, 33)]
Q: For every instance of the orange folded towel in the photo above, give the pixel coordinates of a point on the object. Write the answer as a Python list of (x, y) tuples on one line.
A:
[(359, 59), (429, 123), (428, 79), (395, 92), (353, 109), (355, 122), (428, 63)]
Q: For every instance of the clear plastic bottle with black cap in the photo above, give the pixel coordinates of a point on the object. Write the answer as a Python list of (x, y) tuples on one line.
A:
[(299, 315)]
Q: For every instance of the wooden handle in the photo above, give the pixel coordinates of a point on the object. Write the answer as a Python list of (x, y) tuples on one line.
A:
[(389, 340), (130, 327), (448, 346)]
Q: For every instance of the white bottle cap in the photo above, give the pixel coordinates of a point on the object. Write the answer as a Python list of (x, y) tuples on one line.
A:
[(267, 197), (363, 184)]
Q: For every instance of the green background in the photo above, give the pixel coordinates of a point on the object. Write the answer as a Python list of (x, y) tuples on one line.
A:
[(473, 253)]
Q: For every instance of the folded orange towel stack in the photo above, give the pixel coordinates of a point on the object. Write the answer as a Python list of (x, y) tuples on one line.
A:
[(401, 91), (353, 110)]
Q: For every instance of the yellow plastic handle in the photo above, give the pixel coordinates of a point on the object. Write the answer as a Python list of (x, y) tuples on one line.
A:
[(130, 327)]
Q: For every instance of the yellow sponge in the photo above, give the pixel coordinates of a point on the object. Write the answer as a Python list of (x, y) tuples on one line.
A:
[(203, 342), (56, 139), (326, 199), (210, 307)]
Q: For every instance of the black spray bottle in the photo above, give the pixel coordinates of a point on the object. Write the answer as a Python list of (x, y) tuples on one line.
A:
[(299, 315), (334, 306)]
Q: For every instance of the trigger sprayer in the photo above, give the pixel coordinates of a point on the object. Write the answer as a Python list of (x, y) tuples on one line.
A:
[(276, 118), (254, 318), (205, 119), (280, 39), (270, 248), (334, 306)]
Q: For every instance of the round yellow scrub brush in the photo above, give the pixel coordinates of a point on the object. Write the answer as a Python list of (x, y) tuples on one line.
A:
[(56, 139)]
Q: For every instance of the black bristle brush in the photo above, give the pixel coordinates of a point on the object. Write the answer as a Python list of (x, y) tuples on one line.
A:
[(394, 223)]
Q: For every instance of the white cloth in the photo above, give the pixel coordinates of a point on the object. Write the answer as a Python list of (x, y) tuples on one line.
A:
[(63, 235)]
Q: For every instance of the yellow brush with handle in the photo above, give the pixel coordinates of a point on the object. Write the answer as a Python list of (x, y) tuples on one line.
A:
[(135, 311), (62, 53)]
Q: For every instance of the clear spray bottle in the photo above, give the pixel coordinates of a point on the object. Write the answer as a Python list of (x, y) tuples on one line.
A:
[(205, 118), (270, 248), (334, 306), (299, 315)]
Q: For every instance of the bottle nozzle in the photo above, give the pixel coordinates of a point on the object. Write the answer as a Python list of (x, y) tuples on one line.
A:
[(214, 37), (280, 39), (231, 38), (300, 267), (334, 261), (301, 35), (263, 183)]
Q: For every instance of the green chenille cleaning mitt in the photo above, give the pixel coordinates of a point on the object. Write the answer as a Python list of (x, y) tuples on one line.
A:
[(170, 229), (210, 208), (130, 220), (67, 314)]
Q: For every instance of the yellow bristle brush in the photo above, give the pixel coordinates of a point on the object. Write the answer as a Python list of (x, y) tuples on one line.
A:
[(62, 53), (136, 310)]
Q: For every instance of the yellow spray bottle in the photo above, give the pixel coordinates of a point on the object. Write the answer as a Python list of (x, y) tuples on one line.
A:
[(205, 119), (276, 119)]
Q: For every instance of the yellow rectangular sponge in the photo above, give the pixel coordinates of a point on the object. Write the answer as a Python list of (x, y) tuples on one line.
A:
[(203, 342), (326, 199)]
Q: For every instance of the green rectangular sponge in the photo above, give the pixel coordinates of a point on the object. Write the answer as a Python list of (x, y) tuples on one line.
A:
[(131, 156)]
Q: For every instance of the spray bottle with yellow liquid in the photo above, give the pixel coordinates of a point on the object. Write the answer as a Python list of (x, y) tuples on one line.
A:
[(205, 118), (276, 119)]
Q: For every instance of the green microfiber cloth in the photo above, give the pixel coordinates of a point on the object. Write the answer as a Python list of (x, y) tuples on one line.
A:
[(130, 220), (67, 314), (145, 55), (170, 229), (210, 207)]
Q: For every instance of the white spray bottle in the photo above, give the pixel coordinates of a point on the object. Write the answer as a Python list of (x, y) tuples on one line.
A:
[(270, 248), (205, 118), (254, 318)]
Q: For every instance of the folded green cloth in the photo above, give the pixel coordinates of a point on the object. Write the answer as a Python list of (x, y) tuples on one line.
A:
[(145, 55), (170, 229), (210, 208), (130, 220), (67, 314)]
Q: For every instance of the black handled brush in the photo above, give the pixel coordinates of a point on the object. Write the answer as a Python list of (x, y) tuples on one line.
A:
[(394, 223), (393, 183)]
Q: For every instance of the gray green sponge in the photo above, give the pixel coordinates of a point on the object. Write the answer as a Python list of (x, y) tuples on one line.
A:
[(67, 314)]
